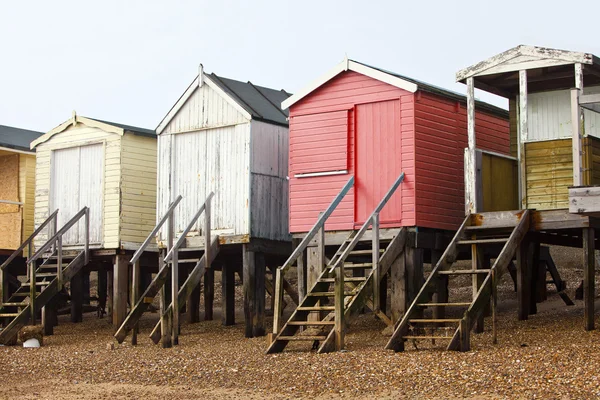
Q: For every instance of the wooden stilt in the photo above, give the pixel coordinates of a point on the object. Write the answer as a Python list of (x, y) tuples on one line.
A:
[(301, 270), (465, 335), (494, 303), (110, 293), (135, 293), (441, 287), (258, 328), (101, 290), (589, 275), (414, 273), (120, 286), (398, 296), (209, 293), (339, 308), (228, 294), (165, 329), (383, 292), (249, 290), (483, 262), (193, 303), (174, 297), (49, 317), (314, 270), (77, 297), (523, 286), (86, 286)]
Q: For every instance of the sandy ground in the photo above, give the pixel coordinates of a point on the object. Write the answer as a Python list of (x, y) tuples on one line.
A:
[(548, 356)]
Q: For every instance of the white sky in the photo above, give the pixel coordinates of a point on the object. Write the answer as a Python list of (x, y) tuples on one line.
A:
[(129, 61)]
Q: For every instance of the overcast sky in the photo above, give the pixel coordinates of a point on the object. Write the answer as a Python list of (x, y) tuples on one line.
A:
[(129, 61)]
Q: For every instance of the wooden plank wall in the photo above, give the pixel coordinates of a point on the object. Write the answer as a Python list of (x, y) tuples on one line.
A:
[(549, 167), (27, 193), (10, 214), (138, 188), (500, 184)]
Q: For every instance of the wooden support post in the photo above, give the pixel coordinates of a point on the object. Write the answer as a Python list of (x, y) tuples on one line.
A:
[(522, 137), (248, 271), (494, 303), (483, 262), (534, 265), (165, 329), (32, 292), (465, 335), (471, 205), (383, 292), (228, 294), (315, 264), (86, 286), (258, 328), (301, 269), (135, 293), (110, 293), (101, 290), (398, 295), (120, 286), (414, 273), (77, 297), (49, 317), (174, 297), (523, 285), (576, 123), (441, 287), (209, 293), (193, 302), (339, 308), (375, 261), (589, 275)]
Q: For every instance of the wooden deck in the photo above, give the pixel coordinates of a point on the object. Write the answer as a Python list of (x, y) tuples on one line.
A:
[(585, 201)]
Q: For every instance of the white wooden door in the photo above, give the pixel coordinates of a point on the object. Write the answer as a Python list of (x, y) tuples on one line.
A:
[(77, 182)]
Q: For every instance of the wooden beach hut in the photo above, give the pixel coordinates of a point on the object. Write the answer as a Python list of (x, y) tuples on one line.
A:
[(554, 141), (222, 169), (17, 191), (376, 161), (95, 201)]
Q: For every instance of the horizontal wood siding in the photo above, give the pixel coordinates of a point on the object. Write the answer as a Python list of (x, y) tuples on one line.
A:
[(269, 196), (138, 188), (591, 147), (311, 195), (10, 214), (441, 136), (205, 108), (77, 136)]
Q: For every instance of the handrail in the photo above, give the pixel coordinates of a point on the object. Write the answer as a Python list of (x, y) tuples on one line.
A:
[(189, 228), (154, 232), (29, 239), (16, 203), (318, 225), (368, 222), (59, 234)]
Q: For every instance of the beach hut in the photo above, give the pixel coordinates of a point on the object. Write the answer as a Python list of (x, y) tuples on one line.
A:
[(110, 169), (391, 149), (222, 154), (17, 174)]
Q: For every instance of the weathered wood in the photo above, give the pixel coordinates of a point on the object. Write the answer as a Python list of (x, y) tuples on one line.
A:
[(135, 294), (523, 285), (470, 160), (249, 270), (375, 261), (193, 302), (383, 292), (494, 305), (414, 272), (228, 294), (315, 265), (483, 263), (523, 136), (110, 293), (161, 281), (589, 275), (258, 324), (301, 271), (120, 286), (77, 297), (49, 316), (209, 294), (339, 307), (533, 263), (465, 335), (576, 122), (441, 287)]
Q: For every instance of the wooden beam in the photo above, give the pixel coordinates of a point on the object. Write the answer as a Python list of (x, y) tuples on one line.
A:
[(522, 138), (470, 161), (301, 271), (228, 294), (135, 294), (193, 302), (523, 286), (249, 279), (77, 297), (399, 301), (589, 275), (209, 293), (258, 326), (120, 286), (441, 287)]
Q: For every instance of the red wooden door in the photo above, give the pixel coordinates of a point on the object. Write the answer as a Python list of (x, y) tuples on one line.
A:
[(378, 160)]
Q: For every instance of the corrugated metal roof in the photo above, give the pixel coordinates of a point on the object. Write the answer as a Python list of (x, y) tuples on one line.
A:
[(17, 138), (260, 102), (441, 91), (134, 129)]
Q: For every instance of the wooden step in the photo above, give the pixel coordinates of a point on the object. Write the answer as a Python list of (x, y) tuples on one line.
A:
[(316, 308), (328, 294), (45, 275), (27, 284), (426, 337), (52, 266), (365, 251), (430, 321), (187, 261), (483, 241), (8, 315), (465, 272), (14, 304), (443, 304), (299, 338), (23, 294), (360, 265), (490, 228), (311, 323), (346, 279)]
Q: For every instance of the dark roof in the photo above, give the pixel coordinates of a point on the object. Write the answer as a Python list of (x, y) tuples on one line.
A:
[(443, 92), (132, 129), (16, 138), (261, 103)]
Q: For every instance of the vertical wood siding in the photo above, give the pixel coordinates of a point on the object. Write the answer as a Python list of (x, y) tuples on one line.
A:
[(549, 115), (72, 137), (138, 188), (269, 146), (441, 136), (311, 195), (204, 109), (193, 164)]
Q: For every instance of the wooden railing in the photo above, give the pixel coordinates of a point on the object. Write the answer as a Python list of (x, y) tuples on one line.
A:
[(55, 243), (298, 251), (49, 222), (337, 265)]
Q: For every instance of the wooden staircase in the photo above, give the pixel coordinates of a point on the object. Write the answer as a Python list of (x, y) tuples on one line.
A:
[(507, 229), (45, 280), (167, 327), (348, 283)]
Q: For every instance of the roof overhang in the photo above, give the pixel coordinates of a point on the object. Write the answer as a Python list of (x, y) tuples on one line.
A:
[(349, 65), (206, 79), (15, 150), (77, 119)]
